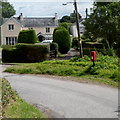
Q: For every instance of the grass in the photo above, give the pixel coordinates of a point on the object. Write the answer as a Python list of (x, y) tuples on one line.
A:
[(14, 107), (105, 70)]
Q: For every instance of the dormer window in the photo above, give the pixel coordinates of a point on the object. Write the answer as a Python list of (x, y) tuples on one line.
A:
[(11, 27)]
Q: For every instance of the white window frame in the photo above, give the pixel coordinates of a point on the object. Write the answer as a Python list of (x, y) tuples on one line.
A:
[(11, 27), (11, 40), (47, 29)]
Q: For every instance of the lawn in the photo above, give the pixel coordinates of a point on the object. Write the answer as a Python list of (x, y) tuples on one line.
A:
[(105, 70), (14, 107)]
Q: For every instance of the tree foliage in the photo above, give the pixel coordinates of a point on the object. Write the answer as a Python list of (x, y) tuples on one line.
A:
[(61, 36), (7, 10), (104, 22), (70, 19)]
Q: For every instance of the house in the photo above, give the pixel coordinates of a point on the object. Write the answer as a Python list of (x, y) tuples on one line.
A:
[(44, 27), (73, 29)]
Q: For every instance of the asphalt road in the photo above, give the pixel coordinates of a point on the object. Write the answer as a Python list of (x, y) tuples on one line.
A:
[(64, 98)]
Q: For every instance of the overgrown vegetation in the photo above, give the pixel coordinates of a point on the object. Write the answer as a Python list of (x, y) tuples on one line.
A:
[(13, 106), (105, 69)]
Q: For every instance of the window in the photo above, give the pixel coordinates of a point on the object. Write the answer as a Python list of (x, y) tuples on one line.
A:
[(11, 40), (11, 27), (30, 28), (47, 30)]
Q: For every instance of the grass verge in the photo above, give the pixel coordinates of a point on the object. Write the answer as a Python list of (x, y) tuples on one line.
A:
[(14, 107), (105, 70)]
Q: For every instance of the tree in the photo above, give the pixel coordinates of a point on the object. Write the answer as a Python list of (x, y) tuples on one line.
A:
[(7, 10), (61, 36), (104, 22), (70, 19), (65, 25), (65, 19)]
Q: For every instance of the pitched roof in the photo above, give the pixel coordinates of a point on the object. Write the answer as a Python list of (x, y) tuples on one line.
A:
[(37, 22)]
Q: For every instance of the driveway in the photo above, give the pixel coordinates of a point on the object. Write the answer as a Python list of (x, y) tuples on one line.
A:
[(64, 98)]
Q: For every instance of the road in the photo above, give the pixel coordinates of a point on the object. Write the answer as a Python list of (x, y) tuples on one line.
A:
[(64, 98)]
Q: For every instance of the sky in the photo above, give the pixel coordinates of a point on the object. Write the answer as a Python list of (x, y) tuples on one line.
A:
[(49, 7), (48, 0)]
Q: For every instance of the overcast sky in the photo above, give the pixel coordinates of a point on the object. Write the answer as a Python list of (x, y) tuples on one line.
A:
[(49, 7), (49, 0)]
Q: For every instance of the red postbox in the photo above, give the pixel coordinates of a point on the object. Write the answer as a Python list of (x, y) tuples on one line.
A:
[(93, 55)]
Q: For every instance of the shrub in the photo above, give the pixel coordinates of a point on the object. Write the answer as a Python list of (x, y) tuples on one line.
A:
[(9, 55), (25, 53), (75, 43), (78, 59), (54, 46), (62, 37), (65, 25), (27, 36), (32, 53), (109, 52), (116, 76)]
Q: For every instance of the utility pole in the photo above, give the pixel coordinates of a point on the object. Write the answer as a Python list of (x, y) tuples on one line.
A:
[(77, 24), (78, 28)]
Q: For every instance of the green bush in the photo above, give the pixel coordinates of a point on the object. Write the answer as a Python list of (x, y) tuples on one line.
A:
[(78, 59), (116, 76), (75, 43), (54, 46), (65, 25), (9, 55), (62, 38), (27, 36), (32, 53), (25, 53), (109, 52)]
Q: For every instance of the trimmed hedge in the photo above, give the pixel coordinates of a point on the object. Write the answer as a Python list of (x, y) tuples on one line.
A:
[(92, 45), (8, 55), (27, 36), (61, 36), (25, 53)]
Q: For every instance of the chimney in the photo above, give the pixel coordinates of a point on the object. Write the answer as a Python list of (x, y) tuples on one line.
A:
[(56, 16), (21, 17), (56, 20)]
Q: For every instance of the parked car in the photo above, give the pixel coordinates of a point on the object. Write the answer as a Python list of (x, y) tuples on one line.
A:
[(47, 41)]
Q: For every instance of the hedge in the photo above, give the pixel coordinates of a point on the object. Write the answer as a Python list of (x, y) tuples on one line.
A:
[(25, 53), (8, 55), (61, 36), (27, 36)]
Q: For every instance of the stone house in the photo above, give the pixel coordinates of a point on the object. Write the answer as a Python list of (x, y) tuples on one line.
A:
[(43, 26)]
